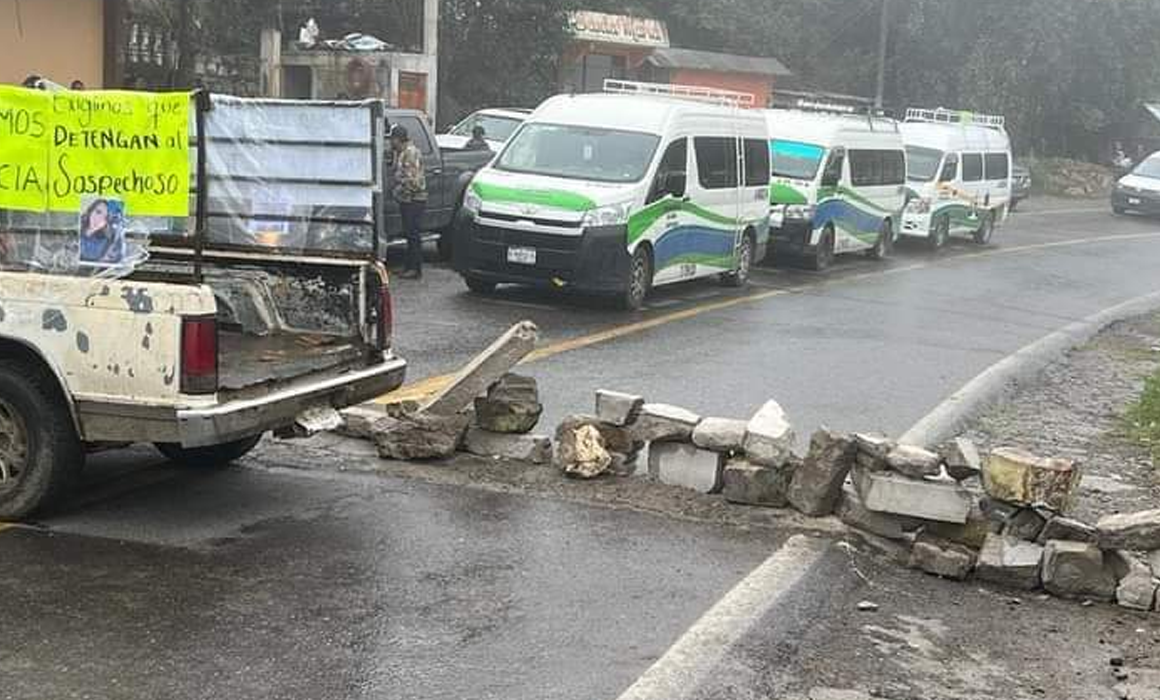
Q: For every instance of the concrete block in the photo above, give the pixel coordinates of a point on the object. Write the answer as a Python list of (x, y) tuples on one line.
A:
[(1077, 570), (512, 405), (873, 444), (756, 485), (1017, 476), (660, 422), (616, 408), (420, 436), (1027, 524), (943, 501), (359, 421), (485, 369), (1010, 562), (817, 484), (962, 459), (915, 462), (944, 559), (769, 437), (681, 464), (854, 513), (536, 449), (1139, 531), (974, 533), (720, 435), (1137, 587)]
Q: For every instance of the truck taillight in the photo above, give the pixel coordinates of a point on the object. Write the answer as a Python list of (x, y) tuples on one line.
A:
[(386, 316), (199, 355)]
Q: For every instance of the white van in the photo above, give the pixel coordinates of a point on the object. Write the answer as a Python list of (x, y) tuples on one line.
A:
[(616, 193), (838, 183), (959, 171)]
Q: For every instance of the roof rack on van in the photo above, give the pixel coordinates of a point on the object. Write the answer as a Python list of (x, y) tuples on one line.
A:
[(685, 92), (951, 116), (834, 103)]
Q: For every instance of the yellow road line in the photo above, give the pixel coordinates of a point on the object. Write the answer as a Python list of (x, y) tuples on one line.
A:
[(432, 385), (6, 526)]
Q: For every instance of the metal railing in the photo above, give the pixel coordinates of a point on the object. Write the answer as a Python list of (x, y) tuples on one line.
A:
[(952, 116)]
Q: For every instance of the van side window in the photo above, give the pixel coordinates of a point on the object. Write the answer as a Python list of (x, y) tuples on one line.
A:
[(950, 169), (674, 162), (997, 166), (716, 161), (865, 168), (895, 169), (832, 176), (756, 163), (972, 167)]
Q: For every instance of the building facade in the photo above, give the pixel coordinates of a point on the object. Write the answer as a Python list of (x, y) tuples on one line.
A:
[(61, 40)]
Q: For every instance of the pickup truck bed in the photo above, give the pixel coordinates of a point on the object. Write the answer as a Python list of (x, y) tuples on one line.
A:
[(252, 360)]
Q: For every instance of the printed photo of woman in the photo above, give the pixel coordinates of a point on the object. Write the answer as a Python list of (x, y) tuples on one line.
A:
[(102, 231)]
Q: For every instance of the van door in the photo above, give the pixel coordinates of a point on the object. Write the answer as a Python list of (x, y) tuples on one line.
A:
[(997, 167), (974, 188), (705, 243)]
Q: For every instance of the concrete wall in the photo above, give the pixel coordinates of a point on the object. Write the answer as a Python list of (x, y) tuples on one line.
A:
[(62, 40)]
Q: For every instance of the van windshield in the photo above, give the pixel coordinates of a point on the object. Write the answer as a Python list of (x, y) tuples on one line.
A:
[(795, 160), (579, 153), (922, 163)]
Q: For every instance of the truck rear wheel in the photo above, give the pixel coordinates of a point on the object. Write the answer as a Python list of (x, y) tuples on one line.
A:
[(39, 448), (211, 456)]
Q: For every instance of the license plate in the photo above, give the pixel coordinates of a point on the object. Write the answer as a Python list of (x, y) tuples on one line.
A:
[(1133, 200), (522, 256)]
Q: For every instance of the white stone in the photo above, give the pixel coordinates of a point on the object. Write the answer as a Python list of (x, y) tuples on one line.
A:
[(1139, 531), (484, 370), (1137, 589), (681, 464), (536, 449), (962, 459), (769, 437), (658, 421), (617, 408), (892, 527), (580, 452), (873, 444), (720, 434), (1009, 561), (890, 493)]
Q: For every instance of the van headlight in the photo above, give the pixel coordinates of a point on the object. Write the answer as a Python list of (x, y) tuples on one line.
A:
[(610, 215), (802, 212), (471, 202), (919, 206)]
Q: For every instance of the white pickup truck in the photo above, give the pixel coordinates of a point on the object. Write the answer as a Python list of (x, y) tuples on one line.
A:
[(266, 308)]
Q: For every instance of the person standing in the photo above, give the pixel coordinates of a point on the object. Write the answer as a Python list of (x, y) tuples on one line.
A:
[(410, 191), (478, 141)]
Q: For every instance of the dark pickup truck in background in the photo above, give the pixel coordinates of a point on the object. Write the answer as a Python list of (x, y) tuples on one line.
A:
[(448, 173)]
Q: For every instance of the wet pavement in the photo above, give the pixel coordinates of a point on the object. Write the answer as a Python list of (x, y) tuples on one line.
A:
[(267, 581)]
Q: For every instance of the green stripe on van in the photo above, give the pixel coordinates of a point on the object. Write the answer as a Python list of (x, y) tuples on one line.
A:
[(557, 199), (851, 196), (784, 194), (643, 220)]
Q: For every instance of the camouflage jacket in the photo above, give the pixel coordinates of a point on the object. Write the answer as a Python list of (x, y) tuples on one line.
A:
[(410, 177)]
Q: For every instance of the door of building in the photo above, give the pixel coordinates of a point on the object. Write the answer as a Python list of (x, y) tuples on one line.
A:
[(413, 91)]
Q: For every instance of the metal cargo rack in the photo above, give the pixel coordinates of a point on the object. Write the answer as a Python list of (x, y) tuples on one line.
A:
[(696, 93)]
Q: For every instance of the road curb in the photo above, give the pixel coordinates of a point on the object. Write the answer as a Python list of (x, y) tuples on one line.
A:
[(1002, 378)]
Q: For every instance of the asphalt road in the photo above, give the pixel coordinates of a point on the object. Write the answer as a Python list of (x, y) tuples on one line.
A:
[(272, 581)]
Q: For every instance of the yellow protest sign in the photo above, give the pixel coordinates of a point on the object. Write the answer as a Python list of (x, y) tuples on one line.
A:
[(131, 146), (24, 146)]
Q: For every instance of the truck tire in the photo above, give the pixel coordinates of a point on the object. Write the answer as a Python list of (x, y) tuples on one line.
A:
[(640, 278), (444, 245), (940, 233), (983, 234), (212, 456), (40, 452), (885, 244), (823, 255), (478, 285)]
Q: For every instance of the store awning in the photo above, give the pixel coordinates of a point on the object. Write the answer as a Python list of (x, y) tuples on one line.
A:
[(688, 59)]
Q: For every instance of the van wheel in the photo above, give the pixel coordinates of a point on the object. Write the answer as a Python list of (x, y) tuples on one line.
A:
[(39, 448), (940, 234), (640, 277), (479, 286), (740, 276), (885, 244), (824, 252), (983, 234), (212, 456)]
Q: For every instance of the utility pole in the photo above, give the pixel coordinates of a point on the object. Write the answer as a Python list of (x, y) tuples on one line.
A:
[(883, 35), (183, 70)]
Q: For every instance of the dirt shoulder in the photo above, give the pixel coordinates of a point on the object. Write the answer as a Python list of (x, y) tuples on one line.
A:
[(1077, 410)]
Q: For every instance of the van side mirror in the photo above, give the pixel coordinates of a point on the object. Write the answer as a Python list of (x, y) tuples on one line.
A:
[(676, 183)]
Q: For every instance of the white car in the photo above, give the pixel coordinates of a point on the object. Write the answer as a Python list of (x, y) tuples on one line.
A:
[(498, 126)]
